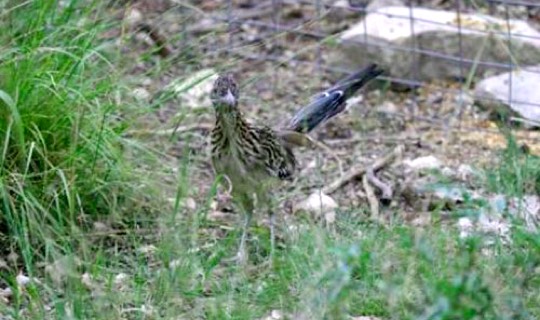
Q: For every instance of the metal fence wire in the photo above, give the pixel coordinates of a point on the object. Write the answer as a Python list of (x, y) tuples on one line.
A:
[(319, 25)]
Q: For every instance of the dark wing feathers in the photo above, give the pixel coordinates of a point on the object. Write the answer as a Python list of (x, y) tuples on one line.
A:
[(279, 159), (332, 101)]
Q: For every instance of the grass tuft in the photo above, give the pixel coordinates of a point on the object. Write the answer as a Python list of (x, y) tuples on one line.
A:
[(61, 153)]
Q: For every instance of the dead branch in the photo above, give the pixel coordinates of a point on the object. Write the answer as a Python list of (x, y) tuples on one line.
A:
[(372, 199), (168, 132), (386, 190), (356, 172), (404, 139)]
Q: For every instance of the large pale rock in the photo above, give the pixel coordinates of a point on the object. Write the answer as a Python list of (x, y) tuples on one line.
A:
[(523, 98), (388, 36)]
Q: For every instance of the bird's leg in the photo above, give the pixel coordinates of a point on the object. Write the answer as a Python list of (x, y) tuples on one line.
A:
[(241, 255), (246, 205), (269, 205), (272, 234)]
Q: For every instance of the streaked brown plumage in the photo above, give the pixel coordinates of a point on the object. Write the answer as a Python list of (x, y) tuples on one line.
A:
[(255, 158)]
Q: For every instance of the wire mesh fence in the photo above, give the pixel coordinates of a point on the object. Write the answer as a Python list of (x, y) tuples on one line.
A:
[(488, 38)]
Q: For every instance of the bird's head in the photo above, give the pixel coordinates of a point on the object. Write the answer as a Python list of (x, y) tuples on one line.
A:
[(225, 93)]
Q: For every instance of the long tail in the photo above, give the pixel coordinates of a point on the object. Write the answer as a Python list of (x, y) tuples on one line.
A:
[(332, 101)]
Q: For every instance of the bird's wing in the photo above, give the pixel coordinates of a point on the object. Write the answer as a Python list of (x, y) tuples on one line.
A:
[(279, 160)]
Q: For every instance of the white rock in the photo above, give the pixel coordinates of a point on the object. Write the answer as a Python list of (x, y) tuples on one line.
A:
[(387, 36), (465, 226), (465, 172), (194, 91), (190, 204), (275, 315), (141, 94), (524, 98), (147, 249), (133, 16), (493, 225), (100, 226), (120, 281), (320, 205), (22, 280), (423, 163), (86, 279), (527, 208)]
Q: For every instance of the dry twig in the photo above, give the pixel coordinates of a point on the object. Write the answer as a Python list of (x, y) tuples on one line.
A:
[(370, 194), (169, 132), (356, 172), (385, 188)]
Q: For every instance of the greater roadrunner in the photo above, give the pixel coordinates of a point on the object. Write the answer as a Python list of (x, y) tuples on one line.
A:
[(255, 158)]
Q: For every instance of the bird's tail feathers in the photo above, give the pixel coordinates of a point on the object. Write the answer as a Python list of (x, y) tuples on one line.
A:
[(331, 102)]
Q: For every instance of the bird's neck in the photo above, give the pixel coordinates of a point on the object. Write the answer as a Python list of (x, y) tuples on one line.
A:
[(232, 122)]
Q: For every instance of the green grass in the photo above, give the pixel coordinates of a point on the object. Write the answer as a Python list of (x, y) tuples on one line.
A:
[(64, 166), (518, 172), (61, 153)]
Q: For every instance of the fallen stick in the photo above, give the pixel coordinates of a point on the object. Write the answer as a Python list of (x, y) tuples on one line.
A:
[(356, 172), (386, 190), (169, 132), (372, 199)]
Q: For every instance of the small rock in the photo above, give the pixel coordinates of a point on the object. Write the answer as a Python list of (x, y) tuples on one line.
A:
[(527, 208), (524, 98), (319, 205), (493, 225), (465, 172), (147, 249), (423, 163), (465, 226), (100, 226), (190, 204), (86, 279), (388, 107), (120, 281), (274, 315), (22, 280), (141, 94), (133, 16)]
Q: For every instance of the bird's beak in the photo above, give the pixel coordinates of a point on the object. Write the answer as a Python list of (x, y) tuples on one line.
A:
[(229, 99)]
